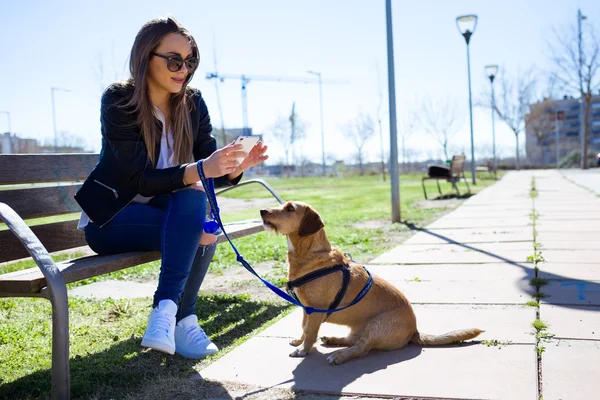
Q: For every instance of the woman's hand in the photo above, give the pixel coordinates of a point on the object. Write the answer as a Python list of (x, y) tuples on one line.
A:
[(256, 156), (223, 161)]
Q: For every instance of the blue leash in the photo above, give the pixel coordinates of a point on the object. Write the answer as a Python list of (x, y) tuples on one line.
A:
[(209, 186)]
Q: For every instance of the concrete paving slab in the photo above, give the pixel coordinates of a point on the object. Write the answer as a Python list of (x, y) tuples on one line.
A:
[(453, 254), (489, 247), (458, 372), (476, 292), (569, 244), (590, 178), (569, 271), (503, 323), (575, 256), (454, 272), (546, 236), (479, 235), (543, 225), (479, 222), (572, 322), (114, 290), (570, 370), (581, 293)]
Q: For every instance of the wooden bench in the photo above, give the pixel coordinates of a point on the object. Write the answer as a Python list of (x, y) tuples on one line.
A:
[(455, 172), (43, 186), (489, 168)]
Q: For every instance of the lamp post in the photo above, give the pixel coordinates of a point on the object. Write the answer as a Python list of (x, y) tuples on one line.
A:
[(52, 90), (466, 26), (491, 71), (321, 107), (394, 175)]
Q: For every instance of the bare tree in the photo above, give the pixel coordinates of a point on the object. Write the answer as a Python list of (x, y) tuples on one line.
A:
[(440, 120), (287, 131), (576, 59), (408, 126), (512, 103), (540, 119), (360, 131)]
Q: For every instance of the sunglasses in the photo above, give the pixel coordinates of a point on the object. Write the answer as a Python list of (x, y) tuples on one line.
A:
[(175, 63)]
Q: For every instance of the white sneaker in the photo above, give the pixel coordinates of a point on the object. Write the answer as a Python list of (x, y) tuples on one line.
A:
[(191, 341), (160, 332)]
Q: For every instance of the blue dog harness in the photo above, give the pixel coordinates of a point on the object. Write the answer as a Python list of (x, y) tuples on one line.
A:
[(209, 187)]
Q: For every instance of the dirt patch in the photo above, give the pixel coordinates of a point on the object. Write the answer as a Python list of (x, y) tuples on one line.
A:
[(228, 205), (195, 387), (237, 280), (440, 203), (372, 224)]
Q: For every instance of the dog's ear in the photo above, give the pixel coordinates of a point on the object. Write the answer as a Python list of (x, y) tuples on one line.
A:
[(311, 223)]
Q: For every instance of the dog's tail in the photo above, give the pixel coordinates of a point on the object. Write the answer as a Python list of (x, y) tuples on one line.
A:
[(446, 338)]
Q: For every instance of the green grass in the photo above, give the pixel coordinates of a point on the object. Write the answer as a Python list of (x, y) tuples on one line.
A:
[(105, 335), (105, 342), (539, 325)]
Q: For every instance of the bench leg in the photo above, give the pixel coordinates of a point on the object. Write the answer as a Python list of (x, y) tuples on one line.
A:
[(467, 182), (438, 184), (424, 191), (60, 343), (455, 187)]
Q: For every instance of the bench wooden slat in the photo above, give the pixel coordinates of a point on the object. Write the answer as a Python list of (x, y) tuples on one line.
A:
[(32, 281), (30, 168), (41, 202), (55, 237)]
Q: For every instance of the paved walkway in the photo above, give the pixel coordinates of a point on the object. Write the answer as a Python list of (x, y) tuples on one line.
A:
[(470, 269)]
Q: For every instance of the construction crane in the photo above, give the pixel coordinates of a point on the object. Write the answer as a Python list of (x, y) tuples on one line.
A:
[(245, 79)]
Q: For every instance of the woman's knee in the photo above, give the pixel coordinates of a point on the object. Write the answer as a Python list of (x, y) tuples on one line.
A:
[(189, 201), (207, 239)]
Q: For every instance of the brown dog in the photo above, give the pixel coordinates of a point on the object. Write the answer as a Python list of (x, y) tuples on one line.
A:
[(383, 319)]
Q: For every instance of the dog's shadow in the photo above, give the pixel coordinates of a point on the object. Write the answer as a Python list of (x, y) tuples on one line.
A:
[(314, 373)]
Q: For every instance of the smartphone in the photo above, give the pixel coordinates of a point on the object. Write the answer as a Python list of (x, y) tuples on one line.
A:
[(248, 142)]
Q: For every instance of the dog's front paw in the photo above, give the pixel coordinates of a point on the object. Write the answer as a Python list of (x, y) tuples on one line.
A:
[(337, 358), (298, 353), (296, 342)]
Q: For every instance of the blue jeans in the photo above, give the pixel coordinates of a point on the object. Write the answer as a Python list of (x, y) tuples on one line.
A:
[(171, 224)]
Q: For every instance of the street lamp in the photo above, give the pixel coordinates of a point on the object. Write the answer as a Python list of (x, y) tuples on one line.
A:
[(466, 25), (321, 107), (491, 71), (52, 90)]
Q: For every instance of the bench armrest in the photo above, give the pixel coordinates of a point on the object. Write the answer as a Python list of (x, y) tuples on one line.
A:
[(259, 181), (54, 278)]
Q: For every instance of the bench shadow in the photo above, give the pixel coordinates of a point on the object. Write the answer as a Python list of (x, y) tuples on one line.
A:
[(126, 368), (579, 288)]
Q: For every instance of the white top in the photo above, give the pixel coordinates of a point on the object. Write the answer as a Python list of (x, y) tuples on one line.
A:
[(165, 160)]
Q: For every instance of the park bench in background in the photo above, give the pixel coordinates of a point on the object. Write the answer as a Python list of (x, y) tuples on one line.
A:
[(489, 168), (34, 186), (452, 174)]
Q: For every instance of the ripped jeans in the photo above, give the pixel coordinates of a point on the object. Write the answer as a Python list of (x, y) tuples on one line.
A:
[(171, 224)]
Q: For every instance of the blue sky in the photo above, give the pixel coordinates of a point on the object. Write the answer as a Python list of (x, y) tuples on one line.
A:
[(60, 43)]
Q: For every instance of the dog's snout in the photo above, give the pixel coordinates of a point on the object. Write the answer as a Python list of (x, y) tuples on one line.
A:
[(263, 212)]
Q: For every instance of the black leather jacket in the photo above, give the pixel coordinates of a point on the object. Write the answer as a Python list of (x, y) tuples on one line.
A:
[(124, 169)]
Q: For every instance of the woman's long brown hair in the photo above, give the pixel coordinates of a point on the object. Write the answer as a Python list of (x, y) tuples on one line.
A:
[(146, 41)]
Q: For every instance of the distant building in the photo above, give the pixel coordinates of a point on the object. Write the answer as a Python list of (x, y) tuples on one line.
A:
[(11, 144), (540, 139)]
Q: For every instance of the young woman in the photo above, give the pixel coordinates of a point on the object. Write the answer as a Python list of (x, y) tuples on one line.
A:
[(144, 194)]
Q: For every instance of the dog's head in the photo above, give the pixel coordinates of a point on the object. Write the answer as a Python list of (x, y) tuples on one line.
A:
[(292, 217)]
